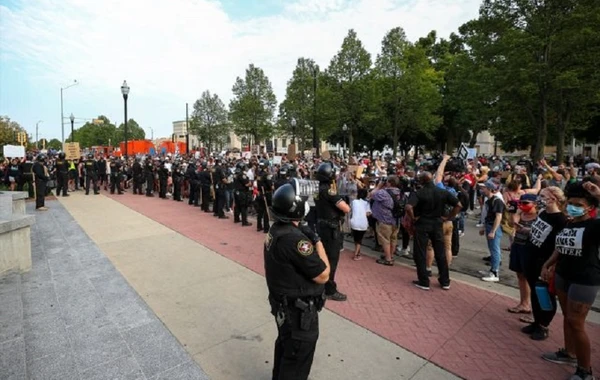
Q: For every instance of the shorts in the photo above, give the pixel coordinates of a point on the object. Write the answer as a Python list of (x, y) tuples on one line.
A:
[(358, 236), (387, 234), (576, 292), (11, 179), (518, 258)]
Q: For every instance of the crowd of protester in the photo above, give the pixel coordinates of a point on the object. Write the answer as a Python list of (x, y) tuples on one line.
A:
[(548, 210)]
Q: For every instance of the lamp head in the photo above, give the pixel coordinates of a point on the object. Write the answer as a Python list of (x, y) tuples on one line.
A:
[(125, 88), (72, 118)]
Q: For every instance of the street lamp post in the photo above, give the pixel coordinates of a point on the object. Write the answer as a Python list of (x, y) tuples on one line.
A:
[(187, 130), (345, 129), (72, 118), (125, 92), (62, 115), (314, 128), (37, 140), (293, 131)]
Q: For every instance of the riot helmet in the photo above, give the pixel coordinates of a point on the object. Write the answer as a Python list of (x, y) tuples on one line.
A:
[(325, 172), (62, 155), (41, 157), (90, 156), (287, 206)]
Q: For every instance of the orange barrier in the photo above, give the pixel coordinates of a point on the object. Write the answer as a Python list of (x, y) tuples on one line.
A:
[(137, 147)]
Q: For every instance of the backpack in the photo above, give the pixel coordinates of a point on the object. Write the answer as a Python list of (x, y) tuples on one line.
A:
[(399, 203)]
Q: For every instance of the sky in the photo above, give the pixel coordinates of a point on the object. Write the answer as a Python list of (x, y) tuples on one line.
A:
[(170, 51)]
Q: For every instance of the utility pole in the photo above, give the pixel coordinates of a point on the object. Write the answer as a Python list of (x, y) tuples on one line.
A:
[(314, 129), (187, 130), (37, 141)]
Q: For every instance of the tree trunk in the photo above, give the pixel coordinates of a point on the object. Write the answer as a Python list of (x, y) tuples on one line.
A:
[(540, 142), (350, 141), (450, 142), (473, 139)]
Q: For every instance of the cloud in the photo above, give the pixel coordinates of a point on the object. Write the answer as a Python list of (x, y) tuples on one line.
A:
[(173, 50)]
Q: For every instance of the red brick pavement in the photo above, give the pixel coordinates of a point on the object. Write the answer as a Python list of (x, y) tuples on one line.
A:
[(465, 330)]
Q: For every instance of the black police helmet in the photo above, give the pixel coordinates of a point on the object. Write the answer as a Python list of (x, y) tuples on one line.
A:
[(286, 205), (29, 157), (62, 155), (41, 157), (325, 172), (90, 156)]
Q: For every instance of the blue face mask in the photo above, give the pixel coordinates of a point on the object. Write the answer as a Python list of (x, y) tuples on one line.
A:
[(575, 211)]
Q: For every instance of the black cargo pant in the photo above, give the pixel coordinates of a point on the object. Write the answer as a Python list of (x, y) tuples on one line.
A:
[(426, 230), (115, 183), (205, 197), (93, 179), (240, 207), (332, 240), (138, 181), (40, 193), (62, 179), (294, 347), (262, 214), (26, 178), (149, 184)]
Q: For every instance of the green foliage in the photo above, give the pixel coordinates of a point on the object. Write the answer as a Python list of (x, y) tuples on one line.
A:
[(53, 144), (209, 120), (105, 133), (253, 106), (8, 131), (134, 132)]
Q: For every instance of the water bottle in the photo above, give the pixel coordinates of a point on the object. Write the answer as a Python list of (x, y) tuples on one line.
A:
[(544, 297)]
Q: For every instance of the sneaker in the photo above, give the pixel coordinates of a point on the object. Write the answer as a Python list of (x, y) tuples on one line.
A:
[(461, 233), (446, 287), (479, 225), (559, 357), (420, 286), (337, 296), (405, 252), (491, 277), (582, 374), (540, 333), (483, 272), (529, 329), (487, 258)]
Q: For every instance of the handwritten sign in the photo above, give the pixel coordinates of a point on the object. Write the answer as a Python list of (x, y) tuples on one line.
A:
[(291, 152), (72, 151)]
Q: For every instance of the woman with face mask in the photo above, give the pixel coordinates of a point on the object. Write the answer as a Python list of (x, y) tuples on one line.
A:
[(577, 278), (522, 221), (540, 246)]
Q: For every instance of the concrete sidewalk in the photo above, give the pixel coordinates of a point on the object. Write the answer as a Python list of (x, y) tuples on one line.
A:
[(218, 309), (74, 316)]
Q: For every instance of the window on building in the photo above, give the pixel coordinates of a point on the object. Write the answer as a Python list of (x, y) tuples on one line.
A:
[(283, 143)]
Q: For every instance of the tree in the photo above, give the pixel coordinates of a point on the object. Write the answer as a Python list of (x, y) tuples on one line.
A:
[(9, 130), (299, 101), (348, 77), (54, 144), (253, 106), (91, 134), (209, 120), (134, 132)]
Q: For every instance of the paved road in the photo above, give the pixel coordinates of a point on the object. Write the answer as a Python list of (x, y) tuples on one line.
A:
[(465, 330)]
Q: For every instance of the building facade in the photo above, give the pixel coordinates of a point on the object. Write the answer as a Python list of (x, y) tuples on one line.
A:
[(180, 130)]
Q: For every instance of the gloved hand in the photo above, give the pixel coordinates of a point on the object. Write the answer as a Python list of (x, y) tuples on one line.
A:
[(309, 233)]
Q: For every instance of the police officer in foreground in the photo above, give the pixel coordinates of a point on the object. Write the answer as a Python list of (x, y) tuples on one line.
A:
[(205, 179), (149, 176), (138, 176), (177, 176), (26, 175), (62, 174), (91, 174), (296, 269), (330, 209), (264, 198)]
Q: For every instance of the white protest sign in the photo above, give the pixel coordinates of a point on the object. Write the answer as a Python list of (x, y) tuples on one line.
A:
[(277, 160), (14, 151)]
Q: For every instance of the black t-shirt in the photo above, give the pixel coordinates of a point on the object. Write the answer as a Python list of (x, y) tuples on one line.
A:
[(494, 206), (291, 262), (543, 234), (578, 245), (430, 201)]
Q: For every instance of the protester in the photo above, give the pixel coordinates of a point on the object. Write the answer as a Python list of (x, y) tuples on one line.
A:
[(360, 209)]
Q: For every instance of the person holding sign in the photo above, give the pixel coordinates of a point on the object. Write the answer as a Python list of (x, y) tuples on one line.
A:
[(577, 278)]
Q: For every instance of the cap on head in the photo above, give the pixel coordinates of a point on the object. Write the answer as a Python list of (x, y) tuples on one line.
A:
[(491, 185)]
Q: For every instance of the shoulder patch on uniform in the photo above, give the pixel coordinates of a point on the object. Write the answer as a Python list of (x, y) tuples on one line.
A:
[(331, 192), (268, 241), (305, 247)]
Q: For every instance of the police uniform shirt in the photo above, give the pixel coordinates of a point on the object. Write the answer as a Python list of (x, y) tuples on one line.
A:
[(90, 166), (326, 203), (291, 262), (114, 168), (62, 166), (241, 183)]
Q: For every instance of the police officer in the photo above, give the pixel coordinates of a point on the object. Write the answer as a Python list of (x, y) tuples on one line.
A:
[(62, 174), (26, 175), (138, 176), (242, 192), (330, 209), (296, 267), (102, 176), (264, 198), (163, 178), (284, 175), (205, 179), (40, 177), (177, 176), (91, 174), (115, 175), (220, 181), (190, 176), (149, 176)]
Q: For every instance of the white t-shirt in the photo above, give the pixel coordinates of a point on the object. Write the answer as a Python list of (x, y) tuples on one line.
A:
[(359, 209)]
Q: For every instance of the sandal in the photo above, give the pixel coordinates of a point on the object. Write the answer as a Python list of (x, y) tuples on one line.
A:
[(527, 319), (385, 262), (518, 310), (357, 257)]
